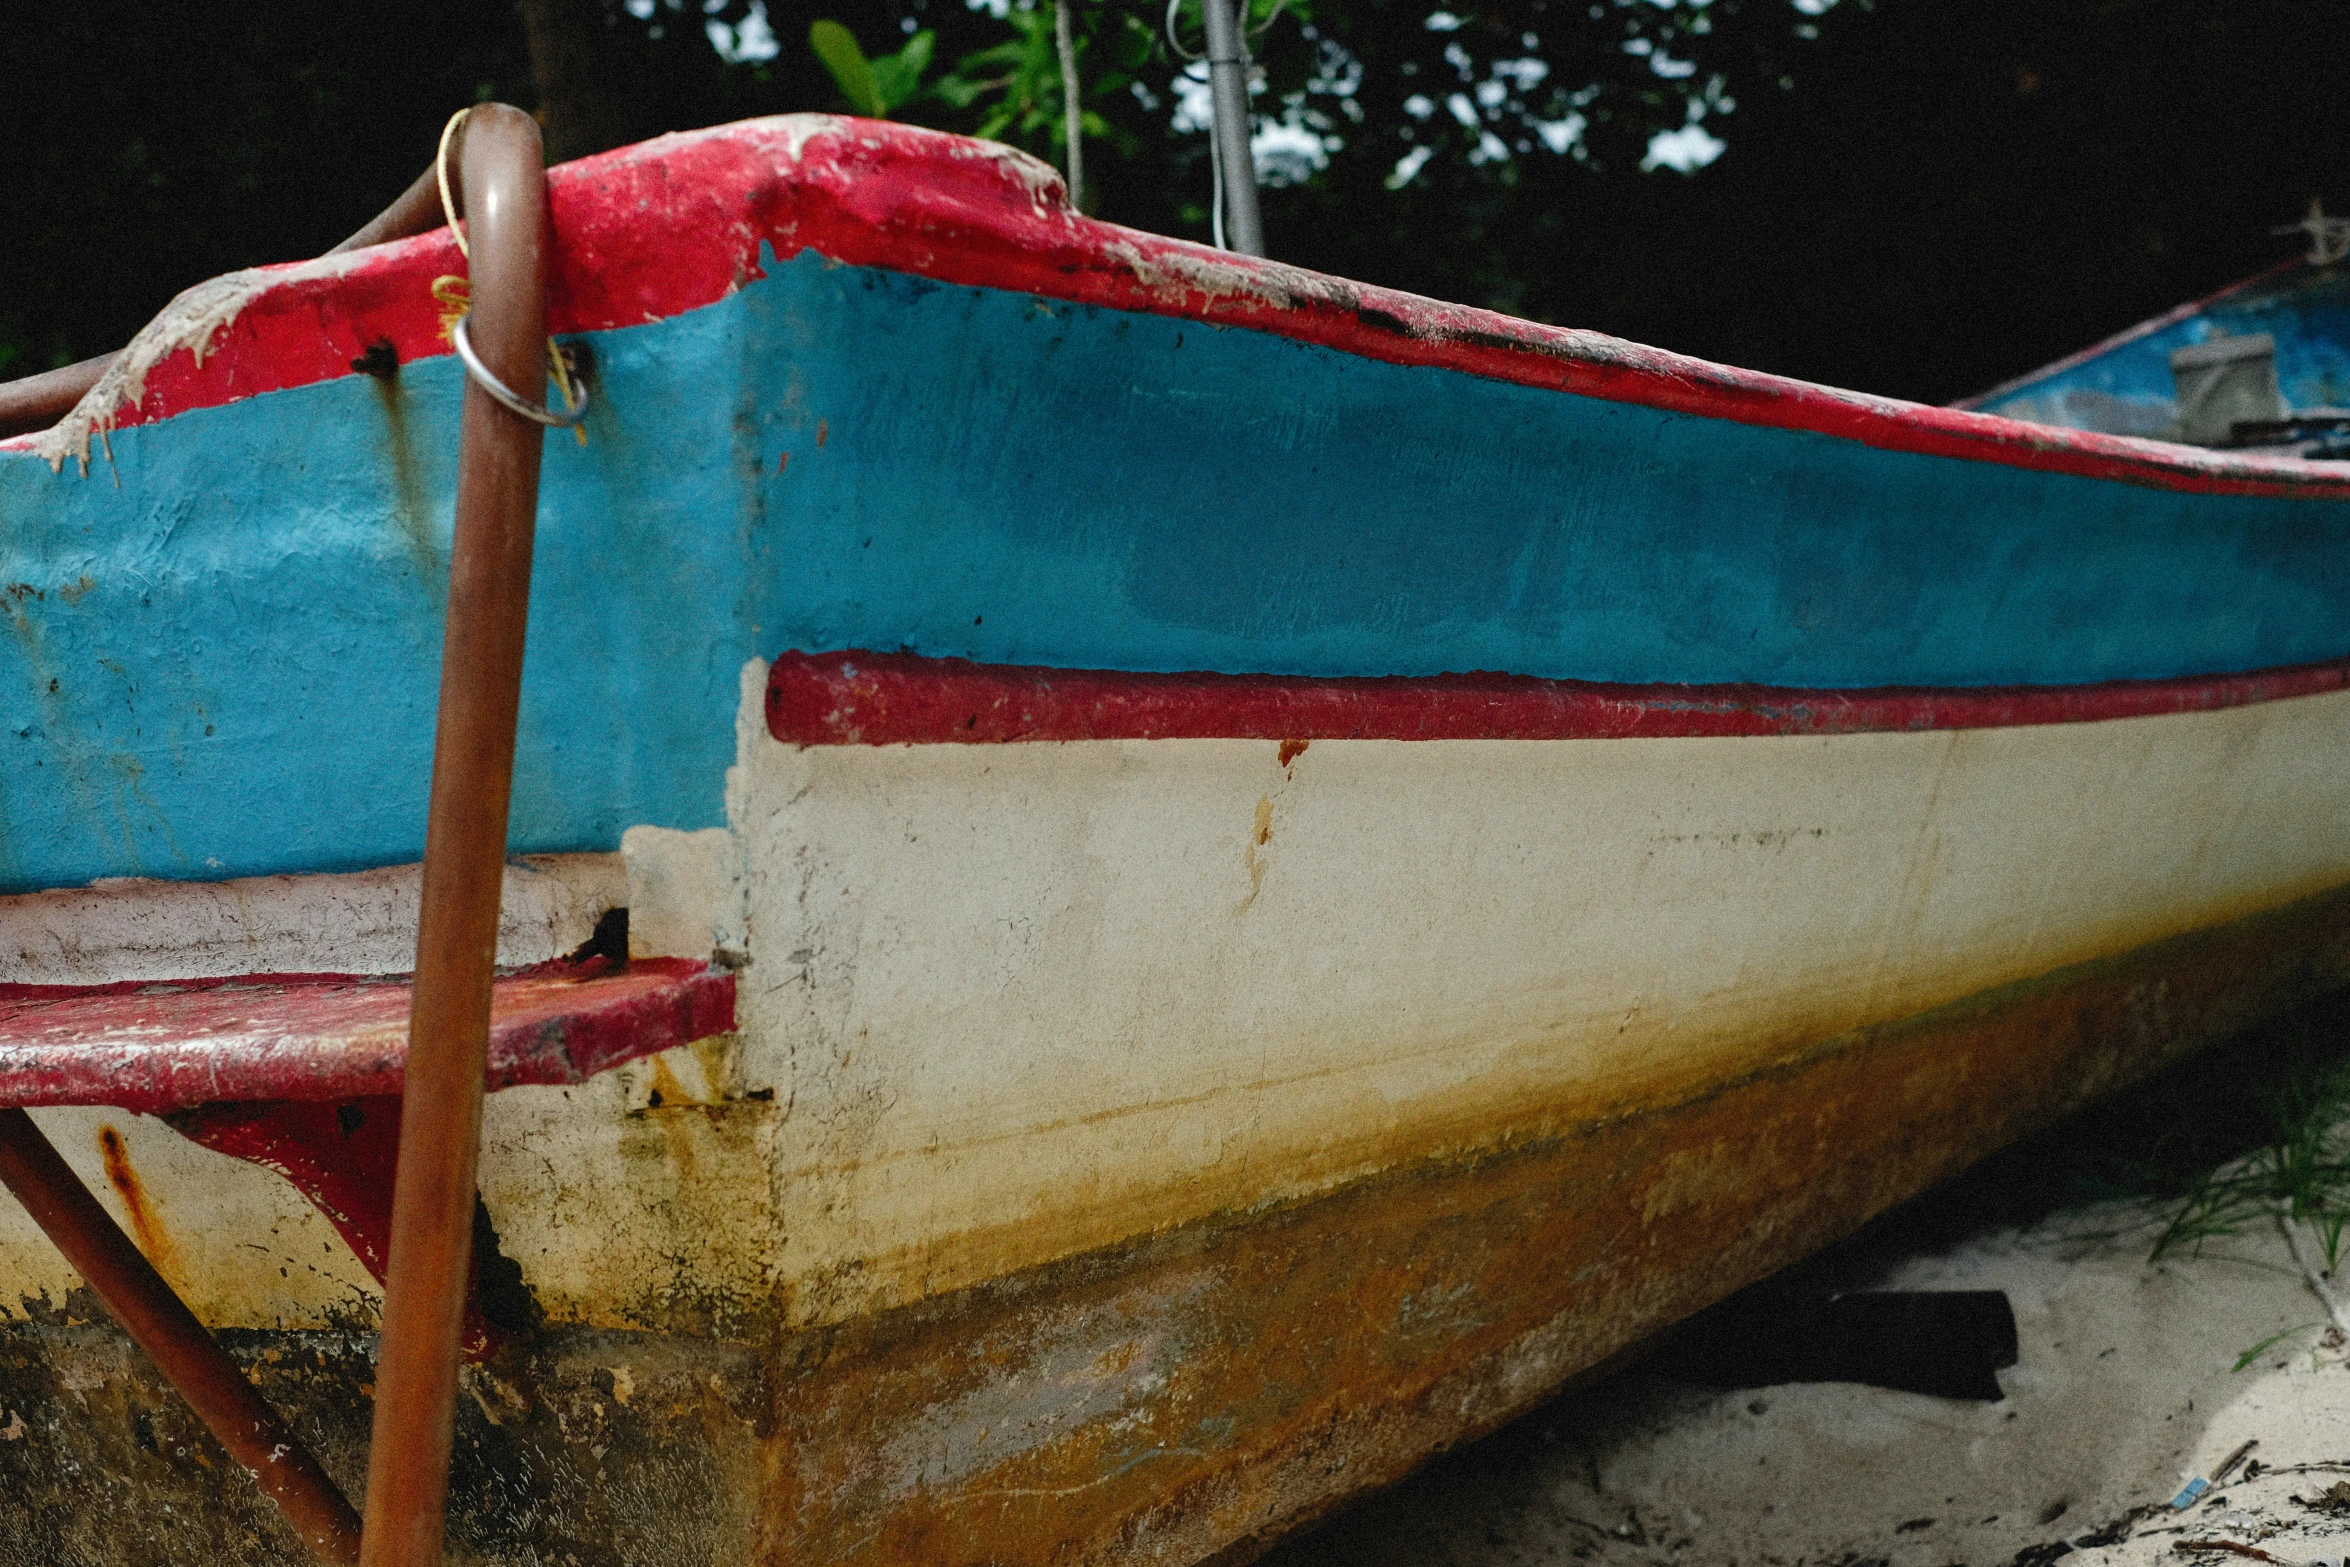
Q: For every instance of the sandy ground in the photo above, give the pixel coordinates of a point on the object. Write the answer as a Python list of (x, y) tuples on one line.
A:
[(2123, 1391)]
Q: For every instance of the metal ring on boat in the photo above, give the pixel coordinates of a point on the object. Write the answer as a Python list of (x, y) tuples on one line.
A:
[(505, 397)]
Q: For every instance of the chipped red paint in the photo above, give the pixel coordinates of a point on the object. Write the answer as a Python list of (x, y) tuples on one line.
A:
[(897, 698), (651, 231), (163, 1047), (342, 1158)]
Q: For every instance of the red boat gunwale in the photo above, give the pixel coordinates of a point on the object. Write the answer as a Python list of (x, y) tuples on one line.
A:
[(651, 231)]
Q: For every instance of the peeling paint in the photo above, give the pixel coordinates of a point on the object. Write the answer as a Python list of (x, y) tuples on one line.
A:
[(1036, 1198), (194, 321), (1260, 834), (360, 923), (1224, 1382), (329, 1037), (1177, 1393)]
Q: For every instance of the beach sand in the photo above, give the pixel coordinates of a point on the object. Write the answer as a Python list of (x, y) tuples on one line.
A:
[(2123, 1391)]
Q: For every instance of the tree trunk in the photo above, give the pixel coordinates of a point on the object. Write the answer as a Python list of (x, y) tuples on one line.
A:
[(567, 50)]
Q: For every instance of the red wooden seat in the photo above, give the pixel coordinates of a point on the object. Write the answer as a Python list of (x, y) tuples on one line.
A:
[(160, 1048), (302, 1073)]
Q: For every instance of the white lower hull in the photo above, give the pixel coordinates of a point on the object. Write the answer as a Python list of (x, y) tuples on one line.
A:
[(1027, 999), (1017, 1002)]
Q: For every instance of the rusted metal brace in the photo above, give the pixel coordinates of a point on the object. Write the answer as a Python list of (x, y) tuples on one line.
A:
[(35, 402), (159, 1323), (503, 186)]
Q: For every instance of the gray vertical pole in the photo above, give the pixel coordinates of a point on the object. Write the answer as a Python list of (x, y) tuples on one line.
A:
[(1228, 86), (1072, 112)]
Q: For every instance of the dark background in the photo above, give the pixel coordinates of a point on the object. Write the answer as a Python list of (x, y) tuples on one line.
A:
[(1918, 197)]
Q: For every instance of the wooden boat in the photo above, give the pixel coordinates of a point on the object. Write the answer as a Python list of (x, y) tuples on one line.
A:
[(2261, 365), (1230, 875)]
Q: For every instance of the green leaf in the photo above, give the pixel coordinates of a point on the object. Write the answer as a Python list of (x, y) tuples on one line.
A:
[(837, 47), (959, 92), (898, 77), (2254, 1353), (1135, 44), (1008, 53)]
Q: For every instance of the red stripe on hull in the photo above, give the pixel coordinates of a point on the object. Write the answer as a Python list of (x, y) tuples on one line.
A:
[(901, 699)]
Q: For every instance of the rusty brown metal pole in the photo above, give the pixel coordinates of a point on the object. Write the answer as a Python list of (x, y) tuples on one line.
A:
[(155, 1317), (35, 402), (416, 210), (504, 186), (159, 1323)]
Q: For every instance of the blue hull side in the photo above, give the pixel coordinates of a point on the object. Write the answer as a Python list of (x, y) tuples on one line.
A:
[(224, 642)]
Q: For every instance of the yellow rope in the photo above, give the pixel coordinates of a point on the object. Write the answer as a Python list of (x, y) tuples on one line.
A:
[(440, 172)]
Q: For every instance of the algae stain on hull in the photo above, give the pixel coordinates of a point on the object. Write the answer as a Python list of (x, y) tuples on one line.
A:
[(411, 507), (60, 738)]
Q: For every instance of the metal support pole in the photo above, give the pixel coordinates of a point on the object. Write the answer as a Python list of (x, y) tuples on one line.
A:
[(159, 1323), (137, 1296), (1228, 89), (1072, 107), (502, 167)]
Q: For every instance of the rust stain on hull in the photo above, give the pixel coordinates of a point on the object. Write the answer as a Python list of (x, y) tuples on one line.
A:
[(146, 1225), (1516, 1102), (1257, 1369), (411, 504)]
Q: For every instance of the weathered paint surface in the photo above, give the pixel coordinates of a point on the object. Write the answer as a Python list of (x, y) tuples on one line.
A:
[(607, 1210), (1027, 1000), (864, 698), (1119, 1163), (343, 1157), (157, 1047), (246, 1250), (235, 617), (1218, 1383), (362, 923), (1134, 1144), (1179, 1394), (653, 231), (1011, 1004)]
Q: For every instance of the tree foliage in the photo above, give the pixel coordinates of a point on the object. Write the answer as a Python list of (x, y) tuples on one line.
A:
[(1910, 196)]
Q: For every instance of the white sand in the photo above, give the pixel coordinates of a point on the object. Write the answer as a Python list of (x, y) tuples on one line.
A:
[(2123, 1391)]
